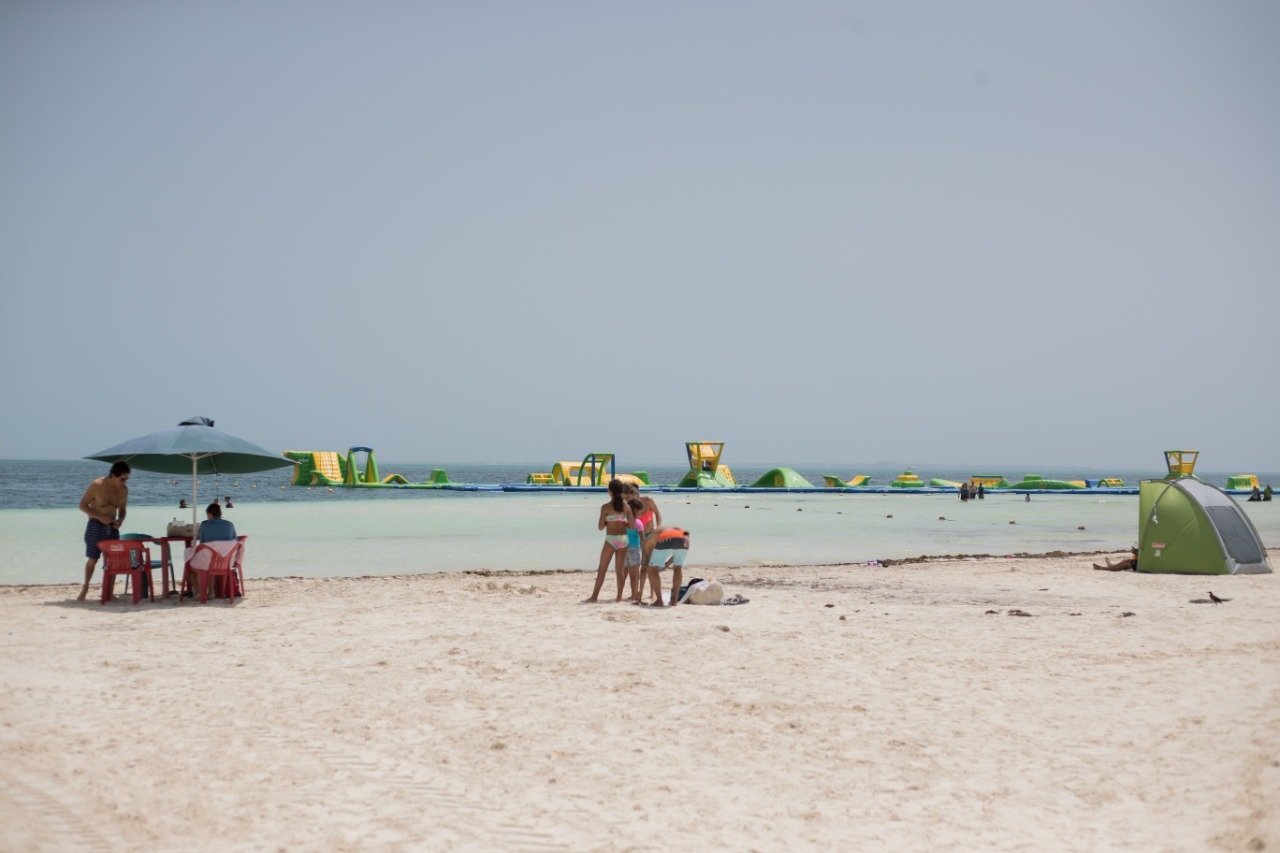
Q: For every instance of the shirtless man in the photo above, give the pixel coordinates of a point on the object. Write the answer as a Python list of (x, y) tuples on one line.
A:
[(104, 502), (669, 546)]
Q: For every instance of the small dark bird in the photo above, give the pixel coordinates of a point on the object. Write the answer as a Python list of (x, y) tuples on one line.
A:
[(1215, 598)]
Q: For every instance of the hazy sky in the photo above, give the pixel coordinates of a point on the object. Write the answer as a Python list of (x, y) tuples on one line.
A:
[(523, 231)]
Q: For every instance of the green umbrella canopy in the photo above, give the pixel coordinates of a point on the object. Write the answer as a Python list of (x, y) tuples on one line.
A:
[(193, 447)]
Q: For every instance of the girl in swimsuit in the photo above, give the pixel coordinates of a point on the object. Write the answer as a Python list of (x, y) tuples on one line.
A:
[(615, 519), (651, 516)]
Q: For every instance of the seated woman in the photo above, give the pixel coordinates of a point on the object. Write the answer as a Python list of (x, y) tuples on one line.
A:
[(215, 528)]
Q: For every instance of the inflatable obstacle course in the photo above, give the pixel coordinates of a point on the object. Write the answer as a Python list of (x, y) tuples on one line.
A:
[(316, 468), (595, 470), (1181, 463), (1035, 482), (328, 468), (1243, 481), (781, 478), (907, 480), (705, 470), (988, 481), (358, 468), (857, 481)]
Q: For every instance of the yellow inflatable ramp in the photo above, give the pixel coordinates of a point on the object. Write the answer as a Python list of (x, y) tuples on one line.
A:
[(326, 462), (833, 482)]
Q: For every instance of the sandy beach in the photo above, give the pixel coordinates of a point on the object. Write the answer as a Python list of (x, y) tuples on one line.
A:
[(1006, 704)]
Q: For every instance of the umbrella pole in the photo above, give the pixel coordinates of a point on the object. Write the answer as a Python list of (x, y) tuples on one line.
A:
[(194, 490)]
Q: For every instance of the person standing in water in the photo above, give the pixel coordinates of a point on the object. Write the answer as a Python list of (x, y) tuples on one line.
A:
[(105, 502)]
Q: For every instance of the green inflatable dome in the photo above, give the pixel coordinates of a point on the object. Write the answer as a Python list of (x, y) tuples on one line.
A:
[(781, 478)]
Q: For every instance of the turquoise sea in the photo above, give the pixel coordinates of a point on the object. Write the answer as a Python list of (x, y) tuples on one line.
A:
[(317, 533)]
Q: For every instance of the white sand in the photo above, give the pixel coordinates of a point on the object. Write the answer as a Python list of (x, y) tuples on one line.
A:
[(463, 712)]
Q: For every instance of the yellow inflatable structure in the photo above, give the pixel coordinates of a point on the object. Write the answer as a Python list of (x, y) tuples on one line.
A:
[(595, 469), (592, 471), (705, 470), (833, 482)]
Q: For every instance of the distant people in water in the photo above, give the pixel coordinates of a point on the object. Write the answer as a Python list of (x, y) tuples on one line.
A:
[(182, 504), (1266, 493), (982, 492), (964, 491), (229, 503), (1028, 497), (1256, 494)]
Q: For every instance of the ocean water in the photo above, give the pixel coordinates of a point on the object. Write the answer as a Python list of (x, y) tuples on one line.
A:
[(27, 484), (382, 533)]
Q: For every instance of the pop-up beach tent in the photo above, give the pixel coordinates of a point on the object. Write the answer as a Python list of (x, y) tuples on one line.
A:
[(1188, 527)]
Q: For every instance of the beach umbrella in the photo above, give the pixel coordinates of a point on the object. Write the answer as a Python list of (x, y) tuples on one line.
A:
[(195, 446)]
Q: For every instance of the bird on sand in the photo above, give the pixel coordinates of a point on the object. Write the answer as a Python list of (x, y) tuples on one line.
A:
[(1215, 599)]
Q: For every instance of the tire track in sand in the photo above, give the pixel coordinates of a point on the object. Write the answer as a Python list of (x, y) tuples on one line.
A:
[(51, 816)]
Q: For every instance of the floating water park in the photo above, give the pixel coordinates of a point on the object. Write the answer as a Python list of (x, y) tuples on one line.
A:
[(358, 469), (330, 468)]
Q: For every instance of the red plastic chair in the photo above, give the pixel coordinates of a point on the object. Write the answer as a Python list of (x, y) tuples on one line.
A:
[(131, 559), (211, 561)]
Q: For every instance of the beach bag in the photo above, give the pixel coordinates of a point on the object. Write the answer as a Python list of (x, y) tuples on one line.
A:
[(704, 592)]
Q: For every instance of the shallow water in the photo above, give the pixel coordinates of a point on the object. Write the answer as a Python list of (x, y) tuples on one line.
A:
[(513, 532)]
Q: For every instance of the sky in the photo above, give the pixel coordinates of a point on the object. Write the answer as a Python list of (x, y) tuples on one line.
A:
[(971, 233)]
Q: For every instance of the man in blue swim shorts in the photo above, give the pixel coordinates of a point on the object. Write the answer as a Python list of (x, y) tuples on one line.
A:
[(105, 502)]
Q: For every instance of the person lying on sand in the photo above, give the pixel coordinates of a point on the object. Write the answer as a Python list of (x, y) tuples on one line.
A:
[(1127, 565)]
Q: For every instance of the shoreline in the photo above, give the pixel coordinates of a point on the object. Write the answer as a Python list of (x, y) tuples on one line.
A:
[(485, 573), (994, 703)]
